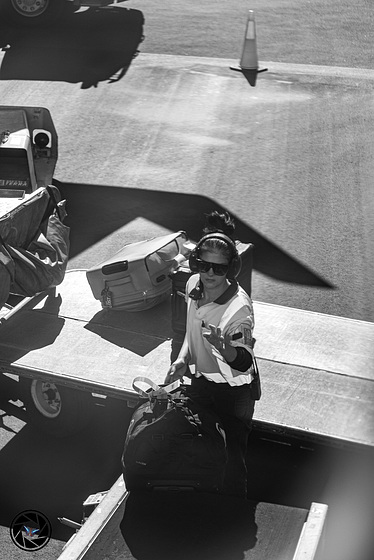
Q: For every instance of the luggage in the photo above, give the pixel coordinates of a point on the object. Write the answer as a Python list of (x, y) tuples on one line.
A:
[(34, 256), (173, 443), (138, 276), (20, 218), (179, 281)]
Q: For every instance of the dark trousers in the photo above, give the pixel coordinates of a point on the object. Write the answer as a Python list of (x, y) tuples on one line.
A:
[(235, 408)]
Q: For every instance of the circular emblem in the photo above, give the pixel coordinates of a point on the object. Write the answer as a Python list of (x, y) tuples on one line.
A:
[(30, 530)]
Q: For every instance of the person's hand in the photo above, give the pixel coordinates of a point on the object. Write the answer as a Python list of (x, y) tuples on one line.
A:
[(220, 342), (215, 337), (176, 371)]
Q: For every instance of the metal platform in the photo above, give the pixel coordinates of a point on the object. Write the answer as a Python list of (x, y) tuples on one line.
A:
[(317, 370)]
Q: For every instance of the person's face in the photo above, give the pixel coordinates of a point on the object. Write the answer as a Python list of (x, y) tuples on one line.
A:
[(210, 279)]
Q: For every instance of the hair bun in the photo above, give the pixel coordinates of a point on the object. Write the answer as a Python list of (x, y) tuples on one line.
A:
[(217, 222)]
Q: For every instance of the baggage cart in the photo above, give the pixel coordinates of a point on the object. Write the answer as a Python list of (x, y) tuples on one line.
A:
[(61, 344)]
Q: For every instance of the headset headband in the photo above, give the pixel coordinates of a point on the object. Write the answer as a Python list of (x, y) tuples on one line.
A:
[(235, 259), (222, 237)]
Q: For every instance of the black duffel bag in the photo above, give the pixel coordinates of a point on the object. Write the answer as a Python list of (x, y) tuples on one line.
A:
[(172, 442)]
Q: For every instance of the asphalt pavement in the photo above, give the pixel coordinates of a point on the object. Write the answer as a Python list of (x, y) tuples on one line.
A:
[(148, 144)]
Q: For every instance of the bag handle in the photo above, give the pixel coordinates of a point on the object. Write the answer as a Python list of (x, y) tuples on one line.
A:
[(153, 389), (146, 381)]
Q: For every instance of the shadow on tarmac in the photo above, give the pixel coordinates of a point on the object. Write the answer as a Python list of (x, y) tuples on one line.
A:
[(89, 46), (59, 473), (95, 212), (168, 526), (28, 325)]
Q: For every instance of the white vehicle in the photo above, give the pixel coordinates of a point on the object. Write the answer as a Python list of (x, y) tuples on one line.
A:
[(42, 12), (28, 155), (28, 149)]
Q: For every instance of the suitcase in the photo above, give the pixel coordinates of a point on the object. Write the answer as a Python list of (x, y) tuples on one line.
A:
[(138, 277), (20, 218), (23, 217), (173, 443), (179, 281)]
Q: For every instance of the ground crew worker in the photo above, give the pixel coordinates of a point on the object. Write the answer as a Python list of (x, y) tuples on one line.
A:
[(218, 343)]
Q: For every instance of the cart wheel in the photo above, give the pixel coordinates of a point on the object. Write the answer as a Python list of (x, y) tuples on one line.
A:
[(34, 12), (57, 410)]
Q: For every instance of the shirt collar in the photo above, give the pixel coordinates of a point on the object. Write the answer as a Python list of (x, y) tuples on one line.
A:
[(197, 292)]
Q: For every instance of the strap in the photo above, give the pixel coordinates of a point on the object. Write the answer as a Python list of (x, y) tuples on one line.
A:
[(174, 386), (256, 382), (256, 373), (154, 389), (146, 381), (6, 258), (52, 191)]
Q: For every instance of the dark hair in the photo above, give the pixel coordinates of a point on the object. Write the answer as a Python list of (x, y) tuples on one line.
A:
[(217, 222)]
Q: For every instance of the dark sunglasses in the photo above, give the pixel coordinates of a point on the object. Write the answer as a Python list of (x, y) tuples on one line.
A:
[(218, 269)]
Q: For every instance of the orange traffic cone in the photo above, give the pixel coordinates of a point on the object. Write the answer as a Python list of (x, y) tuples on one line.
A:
[(249, 60)]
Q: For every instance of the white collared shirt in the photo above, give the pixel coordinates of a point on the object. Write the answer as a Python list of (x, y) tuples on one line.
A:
[(233, 316)]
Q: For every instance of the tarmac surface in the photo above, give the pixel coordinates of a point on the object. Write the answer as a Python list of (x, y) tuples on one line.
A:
[(291, 160)]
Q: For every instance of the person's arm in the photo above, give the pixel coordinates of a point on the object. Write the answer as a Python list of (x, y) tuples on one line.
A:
[(242, 361), (179, 367), (238, 357)]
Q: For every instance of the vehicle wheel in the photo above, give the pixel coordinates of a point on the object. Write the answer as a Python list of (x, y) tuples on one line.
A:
[(34, 12), (55, 409)]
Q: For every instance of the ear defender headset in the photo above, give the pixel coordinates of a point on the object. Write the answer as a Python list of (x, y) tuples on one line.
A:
[(235, 263)]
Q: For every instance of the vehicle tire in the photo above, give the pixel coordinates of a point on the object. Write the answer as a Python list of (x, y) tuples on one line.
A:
[(34, 12), (55, 409)]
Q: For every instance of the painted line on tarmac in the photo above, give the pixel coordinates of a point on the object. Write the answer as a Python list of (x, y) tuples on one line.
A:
[(173, 61)]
